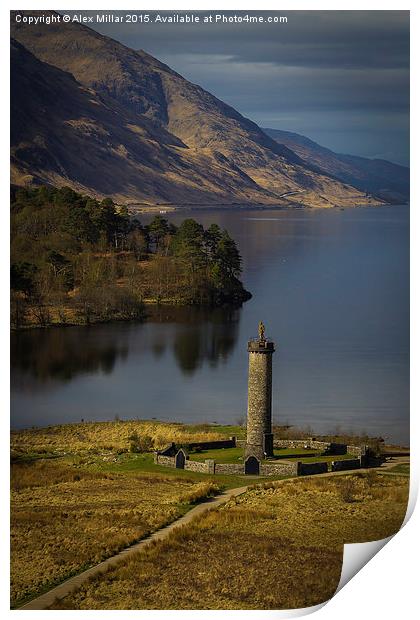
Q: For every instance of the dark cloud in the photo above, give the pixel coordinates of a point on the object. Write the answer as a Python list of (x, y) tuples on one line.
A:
[(340, 77), (357, 39)]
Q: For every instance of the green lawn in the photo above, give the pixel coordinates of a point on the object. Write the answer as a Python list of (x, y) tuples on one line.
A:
[(235, 455), (220, 455), (143, 463), (296, 452), (402, 468)]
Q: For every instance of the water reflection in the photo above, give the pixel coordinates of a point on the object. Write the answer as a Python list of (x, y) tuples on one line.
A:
[(193, 347), (63, 354), (203, 335), (60, 355)]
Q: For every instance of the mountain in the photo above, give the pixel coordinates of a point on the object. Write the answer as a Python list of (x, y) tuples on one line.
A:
[(377, 176), (64, 134), (90, 113)]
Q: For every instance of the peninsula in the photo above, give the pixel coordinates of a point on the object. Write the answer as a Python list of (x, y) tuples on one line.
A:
[(77, 260)]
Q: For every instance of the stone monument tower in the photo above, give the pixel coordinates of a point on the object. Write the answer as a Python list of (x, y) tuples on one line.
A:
[(259, 436)]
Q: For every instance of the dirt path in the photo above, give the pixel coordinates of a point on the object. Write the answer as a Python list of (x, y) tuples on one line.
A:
[(65, 588), (393, 461)]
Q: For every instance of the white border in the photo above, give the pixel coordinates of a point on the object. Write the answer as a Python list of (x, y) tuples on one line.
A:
[(386, 586)]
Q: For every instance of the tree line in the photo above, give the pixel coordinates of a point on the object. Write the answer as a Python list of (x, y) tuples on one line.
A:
[(75, 259)]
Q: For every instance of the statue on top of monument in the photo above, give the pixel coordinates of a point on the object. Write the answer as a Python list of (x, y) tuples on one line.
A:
[(261, 330)]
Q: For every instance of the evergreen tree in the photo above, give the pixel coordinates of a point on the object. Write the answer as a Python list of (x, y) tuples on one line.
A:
[(227, 256), (212, 237), (158, 229), (188, 244)]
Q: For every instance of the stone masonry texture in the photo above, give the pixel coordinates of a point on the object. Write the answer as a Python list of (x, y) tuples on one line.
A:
[(307, 469), (259, 399), (348, 464)]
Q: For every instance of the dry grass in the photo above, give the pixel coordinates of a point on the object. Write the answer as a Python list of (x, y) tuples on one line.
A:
[(62, 439), (202, 490), (64, 518), (278, 546), (46, 473)]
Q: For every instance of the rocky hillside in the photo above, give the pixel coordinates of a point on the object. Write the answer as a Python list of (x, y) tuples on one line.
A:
[(64, 134), (93, 114), (378, 176)]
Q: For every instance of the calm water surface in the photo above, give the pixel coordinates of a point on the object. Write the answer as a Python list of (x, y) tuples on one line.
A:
[(333, 290)]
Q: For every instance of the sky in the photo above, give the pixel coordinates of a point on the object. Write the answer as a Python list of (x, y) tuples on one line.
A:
[(340, 78)]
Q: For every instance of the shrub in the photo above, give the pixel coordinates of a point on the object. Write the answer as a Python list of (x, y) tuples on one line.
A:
[(141, 444), (348, 490), (371, 477)]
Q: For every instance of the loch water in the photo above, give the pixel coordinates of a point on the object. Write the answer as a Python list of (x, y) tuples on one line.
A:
[(332, 287)]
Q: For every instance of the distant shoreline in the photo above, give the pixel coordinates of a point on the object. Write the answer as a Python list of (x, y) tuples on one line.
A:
[(180, 207)]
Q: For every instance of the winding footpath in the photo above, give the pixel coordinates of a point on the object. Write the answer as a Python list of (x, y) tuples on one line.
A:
[(46, 600)]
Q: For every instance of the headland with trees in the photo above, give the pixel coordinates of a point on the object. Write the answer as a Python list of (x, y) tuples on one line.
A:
[(78, 260)]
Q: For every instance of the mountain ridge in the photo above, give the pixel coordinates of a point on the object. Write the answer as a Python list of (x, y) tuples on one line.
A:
[(44, 135), (180, 144), (379, 176)]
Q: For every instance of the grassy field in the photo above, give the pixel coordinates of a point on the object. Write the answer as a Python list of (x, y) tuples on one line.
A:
[(401, 468), (278, 546), (78, 497), (80, 492), (116, 435), (65, 517)]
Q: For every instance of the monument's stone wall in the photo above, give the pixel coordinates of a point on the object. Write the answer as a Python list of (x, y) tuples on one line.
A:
[(328, 447), (166, 461), (278, 469), (196, 466), (266, 468), (307, 469), (370, 460), (347, 464), (212, 445), (319, 445), (356, 450), (291, 443), (229, 468), (337, 448), (206, 467)]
